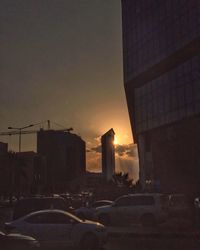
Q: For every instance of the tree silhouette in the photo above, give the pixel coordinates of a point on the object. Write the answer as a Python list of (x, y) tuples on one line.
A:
[(122, 179)]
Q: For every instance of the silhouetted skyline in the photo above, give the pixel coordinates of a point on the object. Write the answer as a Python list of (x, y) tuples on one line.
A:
[(62, 60)]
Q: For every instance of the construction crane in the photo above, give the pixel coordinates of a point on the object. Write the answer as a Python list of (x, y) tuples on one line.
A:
[(16, 132), (19, 131)]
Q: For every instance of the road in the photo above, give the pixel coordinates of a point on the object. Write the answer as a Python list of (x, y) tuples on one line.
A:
[(130, 243), (139, 238)]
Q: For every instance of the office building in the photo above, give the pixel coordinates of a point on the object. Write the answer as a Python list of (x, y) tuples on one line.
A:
[(161, 54), (108, 154), (3, 148), (65, 157)]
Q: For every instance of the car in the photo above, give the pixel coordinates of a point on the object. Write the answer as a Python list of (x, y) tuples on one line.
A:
[(88, 212), (60, 229), (147, 209), (28, 205), (17, 242)]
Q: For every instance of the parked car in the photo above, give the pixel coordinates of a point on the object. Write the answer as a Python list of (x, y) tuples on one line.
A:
[(17, 242), (60, 229), (89, 211), (147, 209), (28, 205), (180, 205)]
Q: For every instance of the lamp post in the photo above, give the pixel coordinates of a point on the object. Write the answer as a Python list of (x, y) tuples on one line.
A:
[(20, 133)]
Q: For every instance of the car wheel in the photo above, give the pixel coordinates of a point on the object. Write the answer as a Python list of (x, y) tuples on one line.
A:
[(148, 220), (104, 219), (89, 242)]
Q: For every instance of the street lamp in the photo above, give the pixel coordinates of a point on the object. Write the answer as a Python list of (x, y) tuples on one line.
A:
[(20, 133)]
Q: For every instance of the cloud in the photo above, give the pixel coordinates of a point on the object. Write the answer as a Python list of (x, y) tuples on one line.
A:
[(96, 149), (128, 165), (126, 159), (129, 150), (94, 162), (125, 150)]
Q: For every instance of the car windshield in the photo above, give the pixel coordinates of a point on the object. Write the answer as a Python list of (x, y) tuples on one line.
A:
[(51, 217)]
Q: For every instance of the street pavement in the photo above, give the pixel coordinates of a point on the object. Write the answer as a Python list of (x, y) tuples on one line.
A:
[(174, 235)]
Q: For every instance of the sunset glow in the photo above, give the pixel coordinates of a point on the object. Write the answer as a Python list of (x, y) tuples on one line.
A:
[(116, 141)]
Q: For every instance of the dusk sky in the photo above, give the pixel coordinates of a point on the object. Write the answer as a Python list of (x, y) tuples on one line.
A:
[(62, 60)]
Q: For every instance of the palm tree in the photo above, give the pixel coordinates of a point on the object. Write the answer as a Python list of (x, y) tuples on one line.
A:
[(122, 179)]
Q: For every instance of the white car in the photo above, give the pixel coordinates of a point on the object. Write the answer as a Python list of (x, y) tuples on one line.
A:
[(88, 212), (57, 228), (145, 208)]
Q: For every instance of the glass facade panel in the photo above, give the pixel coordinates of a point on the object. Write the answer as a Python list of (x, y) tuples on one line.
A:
[(155, 30), (169, 98)]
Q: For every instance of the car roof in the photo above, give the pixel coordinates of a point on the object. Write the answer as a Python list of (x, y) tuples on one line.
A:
[(49, 211), (103, 201), (140, 194), (42, 198)]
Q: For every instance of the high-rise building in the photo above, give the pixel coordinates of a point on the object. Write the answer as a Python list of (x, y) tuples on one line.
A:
[(108, 154), (161, 52), (3, 148), (65, 157)]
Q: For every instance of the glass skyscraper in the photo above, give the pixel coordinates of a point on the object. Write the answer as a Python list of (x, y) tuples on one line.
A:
[(161, 49)]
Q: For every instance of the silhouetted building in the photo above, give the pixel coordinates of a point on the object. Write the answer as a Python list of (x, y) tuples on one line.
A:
[(3, 148), (4, 170), (108, 154), (92, 180), (22, 173), (30, 172), (161, 50), (65, 157)]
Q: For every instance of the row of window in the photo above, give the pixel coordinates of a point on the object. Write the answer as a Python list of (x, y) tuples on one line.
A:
[(170, 97), (148, 40)]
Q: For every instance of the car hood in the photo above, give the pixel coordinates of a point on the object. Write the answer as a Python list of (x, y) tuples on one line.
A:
[(20, 237), (92, 223)]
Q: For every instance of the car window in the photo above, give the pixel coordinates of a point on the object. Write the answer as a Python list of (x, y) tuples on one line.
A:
[(49, 218), (142, 200), (124, 201), (99, 204)]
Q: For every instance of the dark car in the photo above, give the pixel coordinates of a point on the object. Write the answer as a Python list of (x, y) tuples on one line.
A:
[(28, 205), (88, 212), (17, 242)]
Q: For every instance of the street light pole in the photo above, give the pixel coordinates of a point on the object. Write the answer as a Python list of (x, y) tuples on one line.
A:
[(20, 133)]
